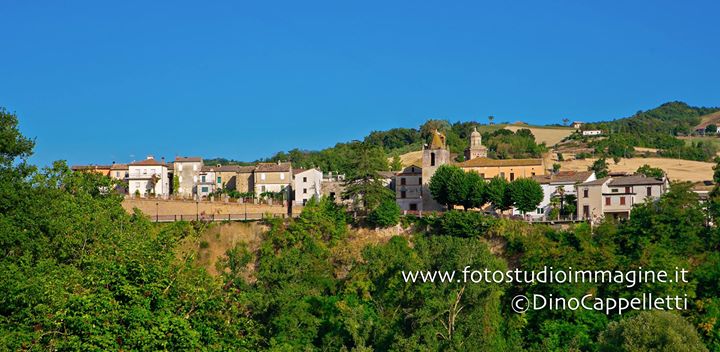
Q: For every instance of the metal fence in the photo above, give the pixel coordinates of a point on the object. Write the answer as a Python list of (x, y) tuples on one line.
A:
[(216, 217)]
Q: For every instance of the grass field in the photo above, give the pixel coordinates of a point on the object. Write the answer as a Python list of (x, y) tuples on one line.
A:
[(712, 140), (549, 135), (676, 169)]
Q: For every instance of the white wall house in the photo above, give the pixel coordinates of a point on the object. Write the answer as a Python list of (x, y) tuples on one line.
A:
[(187, 170), (565, 180), (207, 181), (148, 177), (307, 185), (592, 132)]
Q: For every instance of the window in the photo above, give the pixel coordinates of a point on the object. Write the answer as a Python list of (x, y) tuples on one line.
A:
[(202, 178), (585, 193), (502, 174), (304, 179), (607, 201), (403, 194), (304, 190), (117, 174), (219, 180), (262, 189), (586, 211), (304, 201), (649, 191), (532, 173), (627, 189), (413, 206), (204, 189), (614, 190), (432, 159), (402, 181), (482, 175), (538, 211), (622, 200), (512, 176)]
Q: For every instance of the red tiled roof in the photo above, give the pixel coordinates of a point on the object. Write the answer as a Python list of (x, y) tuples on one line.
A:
[(188, 159)]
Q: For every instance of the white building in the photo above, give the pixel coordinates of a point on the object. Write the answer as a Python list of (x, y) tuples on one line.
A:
[(187, 171), (592, 132), (148, 178), (307, 185), (207, 182), (552, 185), (408, 188)]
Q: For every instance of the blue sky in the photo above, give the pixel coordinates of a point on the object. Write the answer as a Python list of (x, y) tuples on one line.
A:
[(102, 81)]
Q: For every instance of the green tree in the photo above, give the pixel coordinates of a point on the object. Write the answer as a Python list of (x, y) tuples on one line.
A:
[(525, 194), (475, 196), (711, 128), (448, 185), (364, 184), (651, 331), (497, 193), (649, 171), (385, 215), (396, 164), (600, 167), (176, 184)]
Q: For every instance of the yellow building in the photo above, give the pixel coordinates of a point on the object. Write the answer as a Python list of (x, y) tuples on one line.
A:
[(509, 169)]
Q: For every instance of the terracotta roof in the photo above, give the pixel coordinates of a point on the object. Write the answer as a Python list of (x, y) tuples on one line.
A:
[(119, 167), (483, 162), (148, 162), (297, 171), (188, 159), (89, 167), (273, 167), (597, 182), (235, 168), (564, 177), (636, 180)]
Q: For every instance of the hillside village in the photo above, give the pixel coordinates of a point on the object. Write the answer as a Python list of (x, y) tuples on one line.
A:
[(578, 194)]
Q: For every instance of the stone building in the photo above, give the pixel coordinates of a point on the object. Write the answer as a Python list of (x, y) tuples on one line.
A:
[(434, 155), (476, 149)]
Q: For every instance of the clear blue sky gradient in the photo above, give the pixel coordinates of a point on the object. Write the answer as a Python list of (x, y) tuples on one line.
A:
[(100, 81)]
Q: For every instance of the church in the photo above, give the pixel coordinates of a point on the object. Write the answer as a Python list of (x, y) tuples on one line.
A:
[(412, 190)]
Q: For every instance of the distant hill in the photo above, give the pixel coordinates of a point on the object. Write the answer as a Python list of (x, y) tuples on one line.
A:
[(705, 120)]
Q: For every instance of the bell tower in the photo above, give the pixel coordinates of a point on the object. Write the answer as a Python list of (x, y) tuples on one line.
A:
[(434, 156)]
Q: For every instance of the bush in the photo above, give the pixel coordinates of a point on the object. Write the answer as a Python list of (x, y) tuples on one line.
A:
[(643, 331), (464, 224), (385, 215)]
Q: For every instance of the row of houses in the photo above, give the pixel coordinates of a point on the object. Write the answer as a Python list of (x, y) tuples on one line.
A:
[(189, 177)]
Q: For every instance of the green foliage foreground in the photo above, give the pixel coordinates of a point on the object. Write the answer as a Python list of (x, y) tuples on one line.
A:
[(79, 273)]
